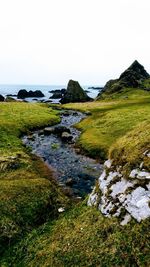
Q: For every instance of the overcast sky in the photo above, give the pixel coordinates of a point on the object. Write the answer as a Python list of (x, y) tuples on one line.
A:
[(52, 41)]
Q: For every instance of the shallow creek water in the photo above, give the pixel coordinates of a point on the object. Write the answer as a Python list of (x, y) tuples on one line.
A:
[(72, 170)]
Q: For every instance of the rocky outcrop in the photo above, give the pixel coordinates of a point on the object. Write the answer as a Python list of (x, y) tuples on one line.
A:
[(24, 94), (56, 95), (120, 196), (66, 137), (10, 99), (74, 93), (1, 98), (132, 77)]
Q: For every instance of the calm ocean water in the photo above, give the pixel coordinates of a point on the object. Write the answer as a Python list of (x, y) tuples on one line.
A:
[(13, 89)]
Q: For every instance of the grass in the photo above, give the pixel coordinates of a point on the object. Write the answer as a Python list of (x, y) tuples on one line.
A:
[(129, 150), (31, 233), (146, 84), (111, 120), (28, 193), (17, 118), (83, 237)]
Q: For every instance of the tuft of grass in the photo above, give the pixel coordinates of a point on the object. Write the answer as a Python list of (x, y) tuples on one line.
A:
[(83, 237), (129, 150), (146, 84)]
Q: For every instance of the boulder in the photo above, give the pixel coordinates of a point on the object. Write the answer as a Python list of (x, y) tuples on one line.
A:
[(1, 98), (66, 137), (58, 130), (74, 93), (56, 95), (24, 94), (132, 77), (10, 99), (66, 113), (63, 90), (48, 130), (122, 195), (70, 182)]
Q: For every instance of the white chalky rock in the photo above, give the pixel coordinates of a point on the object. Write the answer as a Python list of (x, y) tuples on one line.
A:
[(92, 201), (127, 218), (133, 173), (148, 186), (137, 203), (108, 163), (143, 175), (120, 187), (139, 174), (118, 192), (103, 183)]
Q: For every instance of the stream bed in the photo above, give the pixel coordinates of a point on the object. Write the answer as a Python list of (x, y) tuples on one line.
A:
[(56, 146)]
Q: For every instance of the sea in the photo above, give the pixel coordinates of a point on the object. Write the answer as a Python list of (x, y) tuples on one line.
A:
[(12, 89)]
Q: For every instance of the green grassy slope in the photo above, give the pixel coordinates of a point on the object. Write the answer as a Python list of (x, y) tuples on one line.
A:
[(28, 192), (83, 237), (16, 118), (111, 120)]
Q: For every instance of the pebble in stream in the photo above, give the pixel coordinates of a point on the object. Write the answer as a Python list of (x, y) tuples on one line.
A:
[(71, 169)]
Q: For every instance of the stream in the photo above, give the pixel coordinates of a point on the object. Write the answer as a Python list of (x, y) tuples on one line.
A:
[(56, 146)]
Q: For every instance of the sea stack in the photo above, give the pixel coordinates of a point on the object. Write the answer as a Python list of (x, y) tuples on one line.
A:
[(133, 77), (24, 94), (1, 98), (74, 93)]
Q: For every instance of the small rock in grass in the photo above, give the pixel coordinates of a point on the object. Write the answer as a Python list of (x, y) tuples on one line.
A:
[(60, 210)]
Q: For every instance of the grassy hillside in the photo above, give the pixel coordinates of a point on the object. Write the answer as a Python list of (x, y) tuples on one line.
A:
[(28, 192), (83, 237), (111, 119), (16, 118)]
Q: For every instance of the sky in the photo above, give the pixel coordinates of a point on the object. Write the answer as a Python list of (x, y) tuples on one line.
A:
[(52, 41)]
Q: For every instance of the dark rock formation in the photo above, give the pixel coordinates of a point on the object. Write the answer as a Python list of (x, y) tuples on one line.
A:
[(56, 95), (95, 88), (24, 94), (48, 130), (132, 77), (66, 137), (74, 93), (58, 130), (63, 90), (10, 99), (1, 98), (11, 95)]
